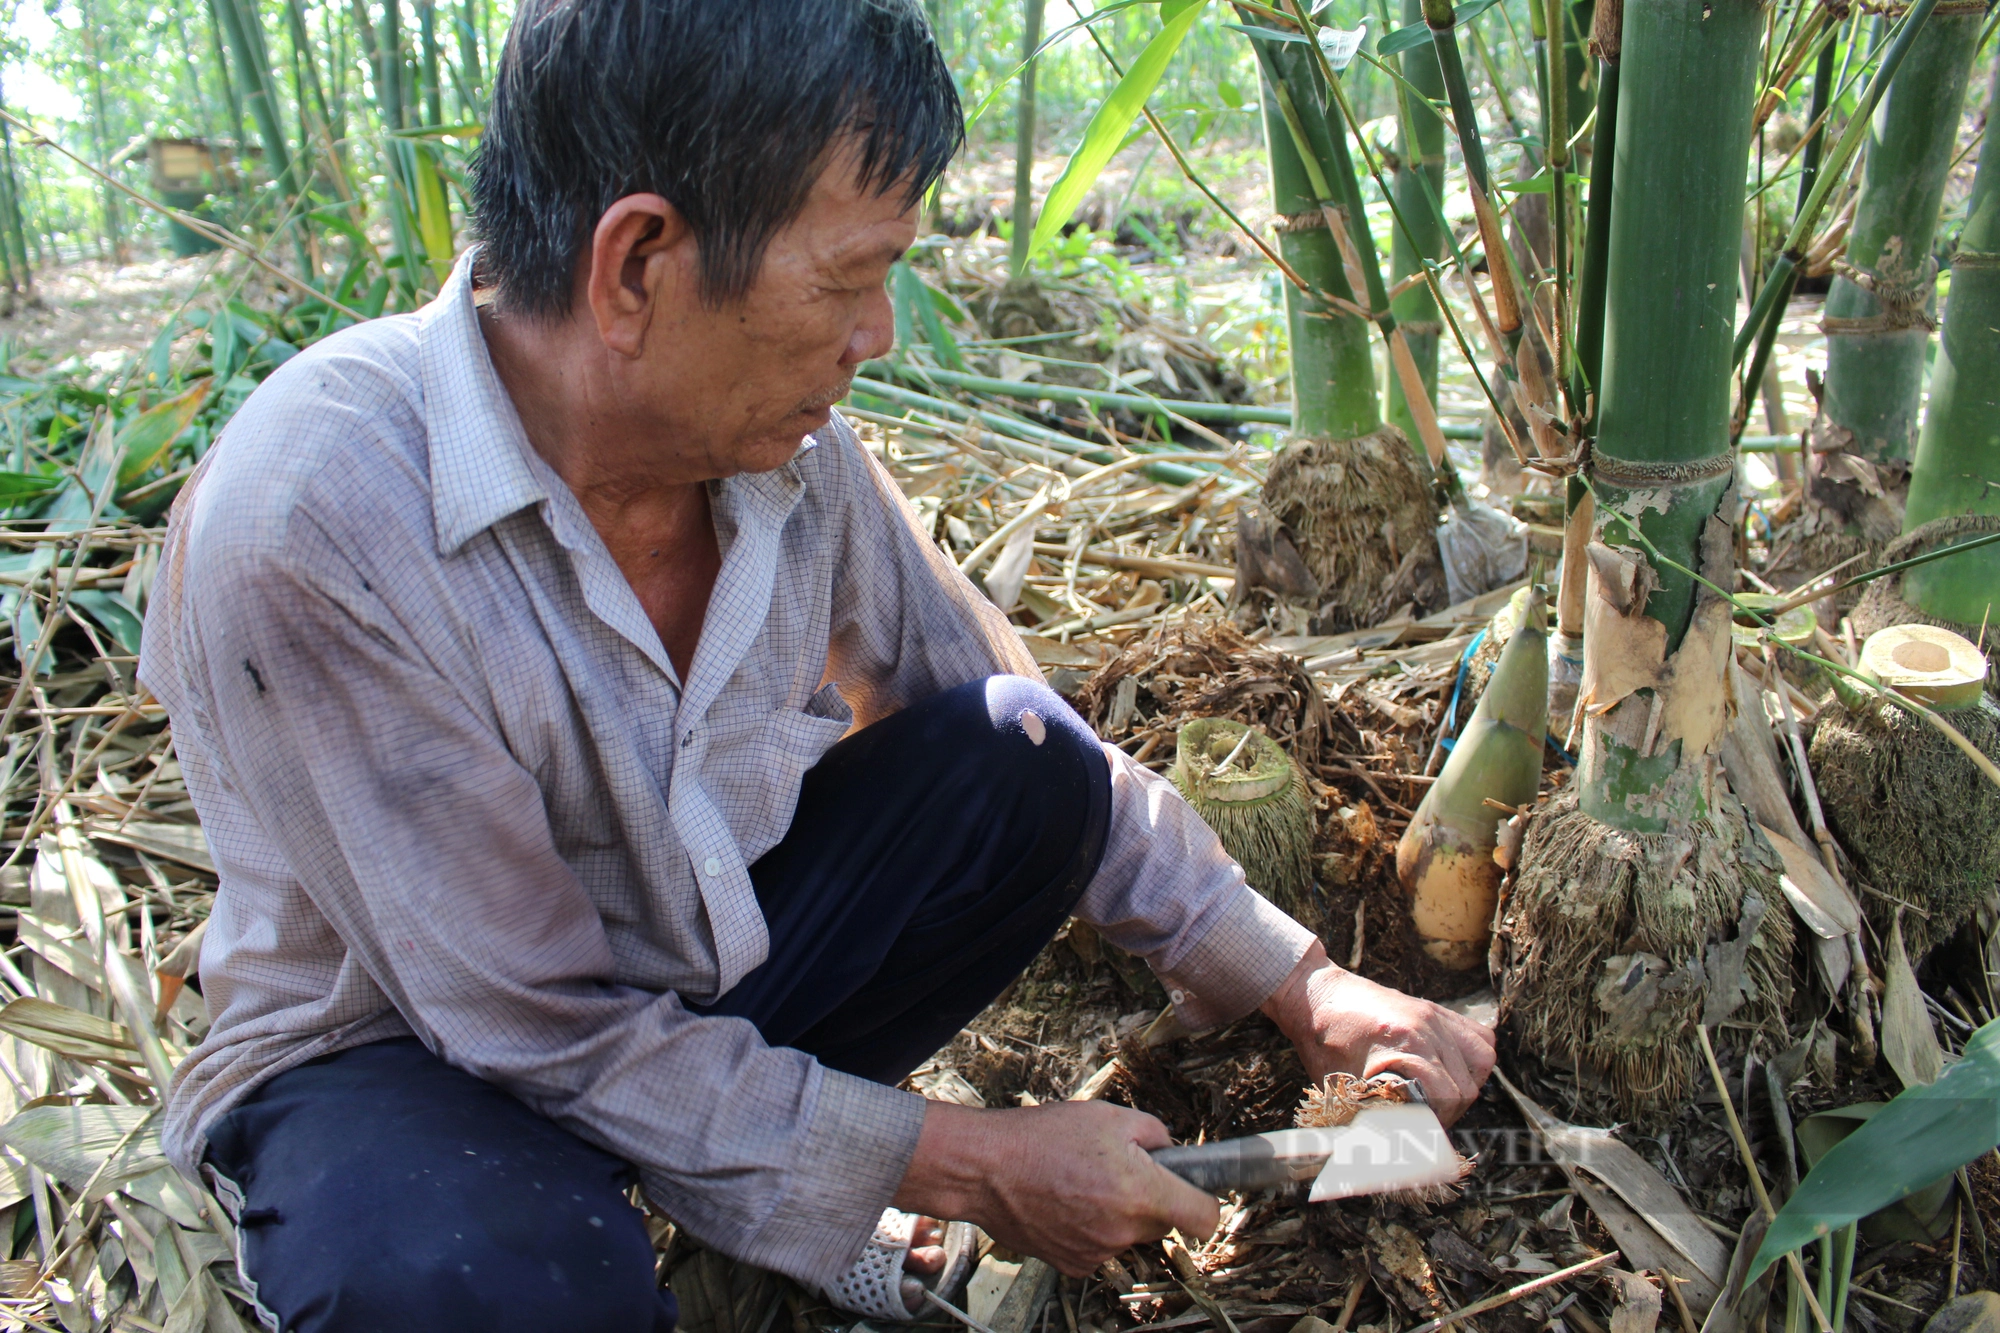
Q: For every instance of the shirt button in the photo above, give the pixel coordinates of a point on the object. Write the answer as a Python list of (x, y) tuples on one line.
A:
[(711, 867)]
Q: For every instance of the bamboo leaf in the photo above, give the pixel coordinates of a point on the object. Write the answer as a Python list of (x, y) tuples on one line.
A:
[(1108, 126), (1924, 1134), (77, 1143), (433, 212), (1258, 32), (1909, 1042), (112, 611), (1542, 183), (146, 438), (1412, 35), (16, 487), (914, 295), (68, 1032)]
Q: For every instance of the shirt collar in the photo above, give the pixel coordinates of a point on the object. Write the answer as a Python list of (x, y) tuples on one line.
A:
[(482, 466), (480, 471)]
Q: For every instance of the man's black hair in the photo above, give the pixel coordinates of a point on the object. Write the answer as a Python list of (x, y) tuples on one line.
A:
[(726, 108)]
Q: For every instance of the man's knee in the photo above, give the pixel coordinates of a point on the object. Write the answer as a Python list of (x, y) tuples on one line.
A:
[(1016, 710)]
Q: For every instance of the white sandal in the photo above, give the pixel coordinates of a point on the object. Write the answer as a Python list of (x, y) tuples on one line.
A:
[(873, 1287)]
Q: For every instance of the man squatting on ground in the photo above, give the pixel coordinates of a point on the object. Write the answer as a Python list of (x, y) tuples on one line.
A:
[(611, 781)]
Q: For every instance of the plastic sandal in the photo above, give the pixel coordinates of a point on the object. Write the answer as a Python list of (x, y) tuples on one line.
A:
[(874, 1286)]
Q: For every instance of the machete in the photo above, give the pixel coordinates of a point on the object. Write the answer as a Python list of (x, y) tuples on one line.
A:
[(1393, 1142)]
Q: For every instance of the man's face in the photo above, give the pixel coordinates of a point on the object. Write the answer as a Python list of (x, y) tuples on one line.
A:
[(746, 382)]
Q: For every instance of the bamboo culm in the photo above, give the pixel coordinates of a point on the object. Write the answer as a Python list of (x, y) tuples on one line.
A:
[(1956, 468), (1664, 410), (1419, 179), (1876, 340)]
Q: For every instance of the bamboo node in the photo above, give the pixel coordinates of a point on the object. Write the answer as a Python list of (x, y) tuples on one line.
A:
[(1968, 259), (1903, 294), (1632, 473)]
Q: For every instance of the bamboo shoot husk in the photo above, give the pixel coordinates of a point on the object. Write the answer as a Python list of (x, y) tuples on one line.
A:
[(1445, 859)]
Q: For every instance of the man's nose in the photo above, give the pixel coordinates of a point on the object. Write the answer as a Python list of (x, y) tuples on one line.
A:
[(875, 334)]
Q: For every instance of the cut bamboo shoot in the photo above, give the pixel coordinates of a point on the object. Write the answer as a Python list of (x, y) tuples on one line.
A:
[(1929, 664)]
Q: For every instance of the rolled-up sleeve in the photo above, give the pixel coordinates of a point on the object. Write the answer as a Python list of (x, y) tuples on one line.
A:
[(426, 844), (907, 623)]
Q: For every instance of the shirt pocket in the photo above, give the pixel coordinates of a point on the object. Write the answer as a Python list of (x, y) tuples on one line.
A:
[(830, 704), (788, 743)]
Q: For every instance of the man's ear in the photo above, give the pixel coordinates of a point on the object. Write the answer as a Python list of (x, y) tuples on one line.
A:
[(641, 256)]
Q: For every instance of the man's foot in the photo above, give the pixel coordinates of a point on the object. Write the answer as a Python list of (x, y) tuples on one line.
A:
[(925, 1259)]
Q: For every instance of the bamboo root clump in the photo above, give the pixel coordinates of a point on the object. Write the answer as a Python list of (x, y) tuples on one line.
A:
[(1615, 943), (1246, 788), (1920, 821), (1361, 516)]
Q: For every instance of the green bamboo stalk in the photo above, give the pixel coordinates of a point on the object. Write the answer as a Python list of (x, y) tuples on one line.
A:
[(398, 154), (100, 131), (1589, 368), (1555, 131), (1671, 281), (12, 223), (1333, 370), (260, 90), (1323, 150), (1956, 468), (432, 82), (388, 54), (1419, 178), (1824, 85), (1875, 366), (229, 97), (469, 79), (1815, 147), (1024, 140), (1769, 306)]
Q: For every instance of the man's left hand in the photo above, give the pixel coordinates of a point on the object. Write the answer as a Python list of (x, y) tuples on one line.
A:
[(1343, 1022)]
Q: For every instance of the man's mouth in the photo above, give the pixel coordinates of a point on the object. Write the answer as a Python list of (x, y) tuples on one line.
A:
[(822, 402)]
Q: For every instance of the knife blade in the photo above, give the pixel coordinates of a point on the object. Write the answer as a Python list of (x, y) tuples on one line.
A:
[(1388, 1145)]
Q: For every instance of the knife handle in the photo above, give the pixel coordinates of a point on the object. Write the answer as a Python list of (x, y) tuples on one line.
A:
[(1232, 1164)]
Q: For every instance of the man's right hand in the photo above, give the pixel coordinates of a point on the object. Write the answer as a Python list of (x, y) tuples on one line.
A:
[(1069, 1182)]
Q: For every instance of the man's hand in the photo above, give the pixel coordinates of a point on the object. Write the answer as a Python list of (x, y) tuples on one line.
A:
[(1069, 1183), (1346, 1023)]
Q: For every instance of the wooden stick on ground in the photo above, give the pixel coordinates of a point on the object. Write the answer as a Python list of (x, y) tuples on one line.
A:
[(1512, 1294), (1354, 1290)]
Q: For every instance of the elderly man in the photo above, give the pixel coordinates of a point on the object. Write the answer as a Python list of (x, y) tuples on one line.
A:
[(610, 781)]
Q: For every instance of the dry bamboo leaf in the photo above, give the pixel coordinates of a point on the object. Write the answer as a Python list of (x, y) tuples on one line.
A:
[(1638, 1309), (69, 1032), (54, 944), (1828, 910), (1679, 1242), (1750, 758), (183, 844), (167, 1191), (74, 1143), (1909, 1042)]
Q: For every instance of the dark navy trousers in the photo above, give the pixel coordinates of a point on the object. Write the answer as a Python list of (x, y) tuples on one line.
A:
[(931, 856)]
